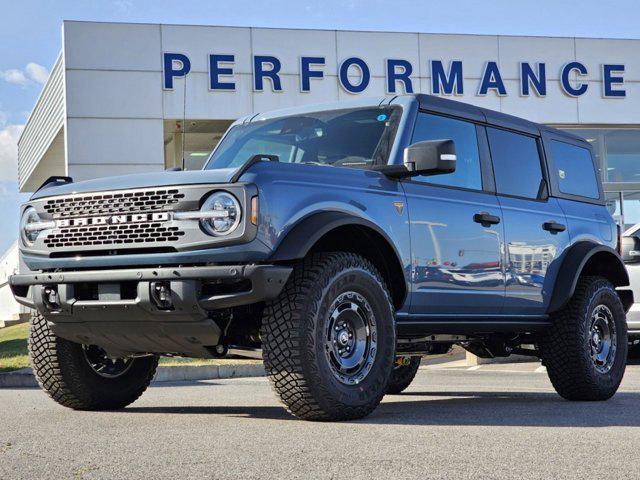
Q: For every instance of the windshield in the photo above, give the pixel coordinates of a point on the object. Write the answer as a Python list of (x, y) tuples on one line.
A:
[(357, 138)]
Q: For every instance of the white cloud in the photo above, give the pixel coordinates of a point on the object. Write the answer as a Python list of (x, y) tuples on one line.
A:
[(37, 73), (17, 77), (33, 72), (9, 135)]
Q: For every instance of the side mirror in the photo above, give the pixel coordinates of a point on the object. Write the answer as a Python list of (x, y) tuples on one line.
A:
[(431, 157), (630, 250)]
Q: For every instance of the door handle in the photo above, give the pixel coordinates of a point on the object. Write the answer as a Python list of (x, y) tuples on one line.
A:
[(553, 226), (486, 219)]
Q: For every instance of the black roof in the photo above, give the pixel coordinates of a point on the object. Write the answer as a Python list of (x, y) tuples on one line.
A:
[(484, 115)]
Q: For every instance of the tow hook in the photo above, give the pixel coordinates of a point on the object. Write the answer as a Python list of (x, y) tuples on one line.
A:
[(161, 295)]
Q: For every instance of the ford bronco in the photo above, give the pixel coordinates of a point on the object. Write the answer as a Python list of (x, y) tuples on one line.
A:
[(343, 242)]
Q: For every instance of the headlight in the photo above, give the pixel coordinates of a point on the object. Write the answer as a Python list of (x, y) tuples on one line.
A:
[(220, 214), (31, 225)]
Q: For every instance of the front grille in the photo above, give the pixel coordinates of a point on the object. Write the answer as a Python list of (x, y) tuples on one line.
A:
[(112, 235), (112, 203)]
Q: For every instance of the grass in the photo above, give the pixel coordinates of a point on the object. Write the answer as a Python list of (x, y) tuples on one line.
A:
[(13, 352), (13, 347)]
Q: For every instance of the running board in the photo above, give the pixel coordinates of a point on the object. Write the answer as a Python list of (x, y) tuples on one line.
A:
[(409, 326)]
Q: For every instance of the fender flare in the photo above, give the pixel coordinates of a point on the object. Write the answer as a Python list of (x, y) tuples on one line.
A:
[(300, 238), (303, 235), (572, 266)]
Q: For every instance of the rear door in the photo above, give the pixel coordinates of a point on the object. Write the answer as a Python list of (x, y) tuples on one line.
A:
[(536, 232), (456, 229)]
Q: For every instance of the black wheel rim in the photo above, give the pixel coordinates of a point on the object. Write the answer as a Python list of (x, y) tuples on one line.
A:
[(104, 366), (350, 338), (603, 341)]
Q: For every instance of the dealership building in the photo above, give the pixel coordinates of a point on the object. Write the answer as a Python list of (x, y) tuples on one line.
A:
[(130, 98)]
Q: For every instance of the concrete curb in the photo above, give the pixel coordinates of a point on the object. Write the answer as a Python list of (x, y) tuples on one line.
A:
[(24, 378), (18, 379), (208, 372)]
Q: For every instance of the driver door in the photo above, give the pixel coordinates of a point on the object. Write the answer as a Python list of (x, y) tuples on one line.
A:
[(456, 227)]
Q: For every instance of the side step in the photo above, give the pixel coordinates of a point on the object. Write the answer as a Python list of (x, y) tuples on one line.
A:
[(412, 325)]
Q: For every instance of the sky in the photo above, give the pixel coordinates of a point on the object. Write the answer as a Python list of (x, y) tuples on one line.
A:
[(30, 37)]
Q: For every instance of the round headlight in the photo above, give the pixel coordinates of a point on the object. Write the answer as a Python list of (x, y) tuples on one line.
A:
[(29, 216), (222, 212)]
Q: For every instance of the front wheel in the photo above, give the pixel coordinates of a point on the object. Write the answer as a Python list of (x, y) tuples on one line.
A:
[(328, 340), (83, 377), (585, 351)]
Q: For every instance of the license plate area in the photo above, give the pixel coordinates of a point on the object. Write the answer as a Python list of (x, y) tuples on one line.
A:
[(104, 292)]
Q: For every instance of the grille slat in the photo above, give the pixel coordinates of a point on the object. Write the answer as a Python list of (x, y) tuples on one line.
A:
[(131, 234), (121, 202), (112, 234)]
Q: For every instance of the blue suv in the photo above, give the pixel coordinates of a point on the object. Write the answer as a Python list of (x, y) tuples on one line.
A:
[(343, 242)]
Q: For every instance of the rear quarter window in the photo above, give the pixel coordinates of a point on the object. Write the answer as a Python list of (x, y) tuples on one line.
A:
[(574, 169)]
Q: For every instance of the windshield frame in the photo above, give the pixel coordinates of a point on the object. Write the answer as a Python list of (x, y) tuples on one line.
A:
[(388, 136)]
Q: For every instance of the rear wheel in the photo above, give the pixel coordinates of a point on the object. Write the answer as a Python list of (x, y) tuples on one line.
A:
[(328, 340), (404, 371), (84, 377), (585, 351)]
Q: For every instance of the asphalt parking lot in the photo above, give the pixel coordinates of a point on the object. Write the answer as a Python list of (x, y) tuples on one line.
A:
[(495, 421)]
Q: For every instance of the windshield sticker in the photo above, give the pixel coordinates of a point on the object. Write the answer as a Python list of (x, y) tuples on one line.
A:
[(382, 117)]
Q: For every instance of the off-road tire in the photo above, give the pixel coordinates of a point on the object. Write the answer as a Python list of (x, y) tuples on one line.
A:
[(402, 376), (62, 370), (293, 342), (566, 350)]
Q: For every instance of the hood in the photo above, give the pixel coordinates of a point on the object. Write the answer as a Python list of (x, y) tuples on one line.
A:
[(139, 180)]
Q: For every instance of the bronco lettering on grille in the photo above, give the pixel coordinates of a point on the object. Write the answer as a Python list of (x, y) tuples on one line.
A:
[(113, 219)]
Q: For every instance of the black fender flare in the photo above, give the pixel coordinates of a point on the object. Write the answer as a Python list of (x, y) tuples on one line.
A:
[(573, 264), (301, 237), (307, 231)]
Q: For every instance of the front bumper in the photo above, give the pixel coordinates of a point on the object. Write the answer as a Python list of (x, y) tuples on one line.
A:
[(117, 309)]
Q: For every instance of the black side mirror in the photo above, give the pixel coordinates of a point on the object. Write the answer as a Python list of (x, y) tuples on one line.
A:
[(630, 249), (431, 157)]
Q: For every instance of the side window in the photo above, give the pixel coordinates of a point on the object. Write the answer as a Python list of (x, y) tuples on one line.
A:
[(463, 134), (576, 175), (516, 163)]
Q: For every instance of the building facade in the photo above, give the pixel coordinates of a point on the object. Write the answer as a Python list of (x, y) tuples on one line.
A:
[(129, 98)]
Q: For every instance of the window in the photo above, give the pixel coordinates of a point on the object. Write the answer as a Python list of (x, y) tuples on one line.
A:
[(516, 163), (463, 134), (617, 152), (576, 175), (356, 138)]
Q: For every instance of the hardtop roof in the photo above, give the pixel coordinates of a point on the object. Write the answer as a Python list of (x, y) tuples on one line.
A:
[(425, 102)]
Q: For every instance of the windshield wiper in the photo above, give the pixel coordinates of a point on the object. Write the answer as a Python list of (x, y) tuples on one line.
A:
[(260, 157)]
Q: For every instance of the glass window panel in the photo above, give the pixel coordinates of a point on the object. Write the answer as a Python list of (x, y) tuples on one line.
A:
[(516, 163), (463, 134), (576, 175), (631, 209), (617, 151)]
